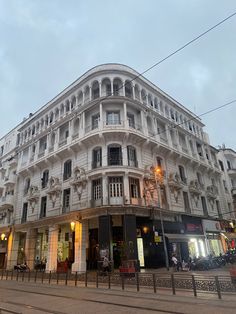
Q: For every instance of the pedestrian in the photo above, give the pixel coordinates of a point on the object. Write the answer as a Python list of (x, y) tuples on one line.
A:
[(105, 264), (175, 263)]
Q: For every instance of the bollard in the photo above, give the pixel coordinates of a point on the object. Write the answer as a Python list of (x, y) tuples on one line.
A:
[(66, 279), (86, 279), (218, 287), (7, 275), (97, 280), (29, 276), (12, 274), (109, 280), (23, 276), (42, 276), (35, 277), (76, 278), (194, 286), (57, 277), (49, 277), (173, 283), (122, 281), (154, 283), (17, 275), (2, 274), (137, 280)]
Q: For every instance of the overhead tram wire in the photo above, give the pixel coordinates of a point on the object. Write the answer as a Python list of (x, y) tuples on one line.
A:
[(179, 124), (169, 56)]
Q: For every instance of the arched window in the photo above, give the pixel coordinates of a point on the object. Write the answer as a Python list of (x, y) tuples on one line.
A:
[(95, 90), (80, 98), (46, 120), (76, 126), (86, 94), (67, 169), (62, 109), (132, 156), (51, 117), (106, 87), (182, 174), (128, 89), (136, 90), (144, 96), (97, 157), (73, 103), (114, 155), (117, 86), (156, 103), (56, 113), (67, 106), (150, 101), (26, 186), (33, 129), (45, 178)]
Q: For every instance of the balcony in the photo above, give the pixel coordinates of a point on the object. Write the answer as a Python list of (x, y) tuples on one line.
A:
[(10, 181), (232, 171), (7, 201)]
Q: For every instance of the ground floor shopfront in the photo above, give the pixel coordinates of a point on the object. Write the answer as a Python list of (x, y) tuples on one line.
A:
[(78, 243)]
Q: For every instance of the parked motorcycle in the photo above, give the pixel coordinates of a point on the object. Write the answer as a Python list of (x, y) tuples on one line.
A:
[(21, 267)]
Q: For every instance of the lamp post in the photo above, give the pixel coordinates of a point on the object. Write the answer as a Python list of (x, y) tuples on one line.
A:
[(158, 178)]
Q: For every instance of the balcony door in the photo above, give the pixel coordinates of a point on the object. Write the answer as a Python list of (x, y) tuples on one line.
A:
[(115, 190)]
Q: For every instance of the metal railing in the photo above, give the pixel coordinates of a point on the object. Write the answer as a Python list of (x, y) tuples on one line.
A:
[(174, 283)]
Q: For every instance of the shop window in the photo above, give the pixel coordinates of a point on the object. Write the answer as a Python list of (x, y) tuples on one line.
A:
[(43, 207), (24, 213), (67, 170), (132, 158), (97, 158)]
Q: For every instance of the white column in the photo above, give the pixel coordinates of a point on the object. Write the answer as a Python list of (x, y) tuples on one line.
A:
[(100, 89), (101, 116), (30, 245), (81, 230), (12, 250), (125, 115), (105, 188), (90, 93), (123, 88), (133, 90), (144, 123), (126, 189), (52, 249), (112, 87)]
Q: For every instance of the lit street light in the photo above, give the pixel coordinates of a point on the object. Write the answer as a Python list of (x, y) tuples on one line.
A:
[(157, 171)]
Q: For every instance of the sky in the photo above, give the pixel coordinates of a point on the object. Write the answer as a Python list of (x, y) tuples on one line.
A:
[(46, 45)]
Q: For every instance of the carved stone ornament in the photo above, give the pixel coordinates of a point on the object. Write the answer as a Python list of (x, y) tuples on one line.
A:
[(33, 196), (54, 190), (79, 181), (194, 188), (211, 192), (175, 185)]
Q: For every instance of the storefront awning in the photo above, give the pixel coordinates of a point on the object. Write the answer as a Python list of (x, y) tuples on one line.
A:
[(183, 237)]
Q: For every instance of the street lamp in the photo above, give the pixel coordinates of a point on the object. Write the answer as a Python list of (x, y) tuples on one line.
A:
[(157, 171)]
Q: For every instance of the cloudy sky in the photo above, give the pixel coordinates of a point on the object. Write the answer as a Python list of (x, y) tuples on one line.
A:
[(45, 45)]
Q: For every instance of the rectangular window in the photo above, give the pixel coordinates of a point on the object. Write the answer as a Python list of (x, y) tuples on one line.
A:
[(45, 179), (132, 160), (67, 170), (204, 206), (114, 156), (66, 201), (134, 188), (95, 121), (97, 158), (116, 187), (221, 165), (182, 174), (186, 202), (130, 118), (97, 189), (113, 117), (24, 213), (43, 207)]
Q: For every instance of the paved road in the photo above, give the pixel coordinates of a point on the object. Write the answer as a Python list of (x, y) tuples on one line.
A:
[(30, 298)]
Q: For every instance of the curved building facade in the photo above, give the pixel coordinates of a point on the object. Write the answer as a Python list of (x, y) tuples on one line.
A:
[(98, 164)]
